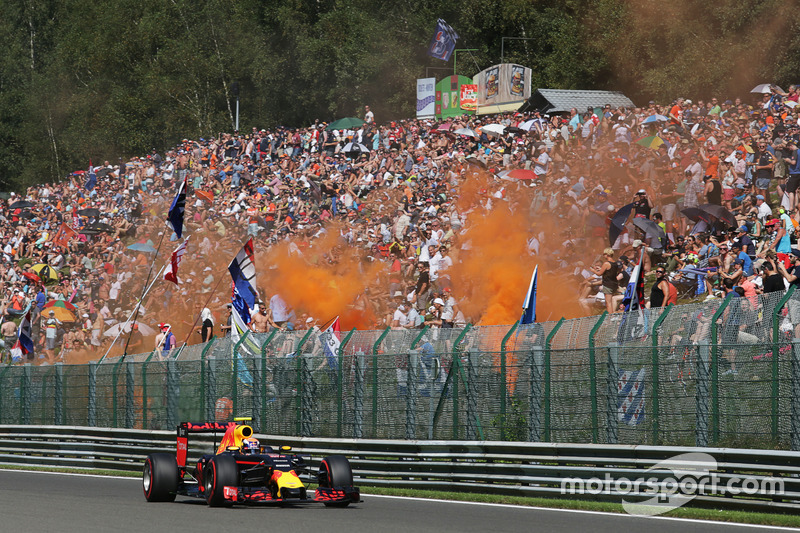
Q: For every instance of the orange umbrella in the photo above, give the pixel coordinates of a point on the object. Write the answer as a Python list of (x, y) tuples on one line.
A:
[(205, 195)]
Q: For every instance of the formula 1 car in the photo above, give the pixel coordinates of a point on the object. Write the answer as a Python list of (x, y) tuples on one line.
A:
[(244, 471)]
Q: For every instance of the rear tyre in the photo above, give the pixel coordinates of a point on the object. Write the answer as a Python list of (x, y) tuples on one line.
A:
[(335, 472), (221, 471), (160, 477)]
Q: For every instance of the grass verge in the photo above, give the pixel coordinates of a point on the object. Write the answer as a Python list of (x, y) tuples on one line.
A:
[(696, 513)]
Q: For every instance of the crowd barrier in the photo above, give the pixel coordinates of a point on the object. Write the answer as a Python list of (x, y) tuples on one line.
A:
[(717, 373)]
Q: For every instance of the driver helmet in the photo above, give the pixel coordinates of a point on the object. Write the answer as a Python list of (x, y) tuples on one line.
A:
[(250, 445)]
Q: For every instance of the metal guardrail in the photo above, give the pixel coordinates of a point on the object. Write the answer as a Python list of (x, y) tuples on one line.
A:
[(511, 468)]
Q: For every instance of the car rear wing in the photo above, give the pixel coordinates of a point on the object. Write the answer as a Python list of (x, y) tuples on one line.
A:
[(184, 428)]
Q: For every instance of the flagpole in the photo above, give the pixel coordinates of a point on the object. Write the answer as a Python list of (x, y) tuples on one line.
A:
[(169, 225), (132, 316), (211, 295)]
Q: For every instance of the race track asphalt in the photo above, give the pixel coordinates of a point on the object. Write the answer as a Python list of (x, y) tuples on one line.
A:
[(44, 502)]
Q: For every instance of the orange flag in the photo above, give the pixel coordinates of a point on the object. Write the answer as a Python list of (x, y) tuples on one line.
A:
[(208, 196), (64, 235)]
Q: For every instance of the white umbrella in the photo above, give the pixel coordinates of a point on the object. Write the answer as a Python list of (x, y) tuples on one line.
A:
[(493, 129), (655, 118), (527, 125), (790, 103), (467, 132), (113, 331), (765, 88), (355, 147)]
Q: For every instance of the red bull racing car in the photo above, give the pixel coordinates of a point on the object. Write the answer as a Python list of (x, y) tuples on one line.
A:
[(244, 471)]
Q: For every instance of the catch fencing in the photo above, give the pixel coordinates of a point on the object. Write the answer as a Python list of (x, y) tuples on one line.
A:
[(717, 373)]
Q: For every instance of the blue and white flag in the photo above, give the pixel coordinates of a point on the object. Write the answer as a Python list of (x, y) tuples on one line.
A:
[(24, 344), (243, 273), (331, 343), (634, 320), (176, 210), (91, 183), (529, 305), (630, 396), (443, 42)]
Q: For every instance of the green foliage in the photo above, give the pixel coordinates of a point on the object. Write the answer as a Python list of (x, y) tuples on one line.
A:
[(514, 422), (82, 79)]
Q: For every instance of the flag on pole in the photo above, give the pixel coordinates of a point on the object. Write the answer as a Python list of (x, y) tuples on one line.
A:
[(330, 339), (634, 292), (176, 210), (633, 325), (443, 42), (243, 273), (91, 183), (529, 305), (64, 235), (171, 273), (24, 344)]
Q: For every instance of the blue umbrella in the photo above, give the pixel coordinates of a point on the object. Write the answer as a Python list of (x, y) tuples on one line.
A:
[(655, 118), (143, 246)]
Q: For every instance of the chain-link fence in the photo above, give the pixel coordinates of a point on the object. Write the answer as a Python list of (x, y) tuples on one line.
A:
[(718, 373)]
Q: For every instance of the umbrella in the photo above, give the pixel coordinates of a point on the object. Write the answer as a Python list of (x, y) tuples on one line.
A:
[(114, 330), (765, 88), (618, 222), (63, 310), (27, 215), (720, 213), (652, 142), (512, 129), (444, 127), (21, 204), (475, 161), (651, 230), (696, 215), (346, 123), (97, 227), (493, 129), (466, 132), (143, 246), (102, 172), (655, 118), (45, 272), (90, 212), (355, 148), (208, 196), (33, 277), (518, 174), (527, 125), (790, 103)]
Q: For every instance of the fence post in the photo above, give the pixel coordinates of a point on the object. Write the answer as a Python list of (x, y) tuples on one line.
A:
[(593, 376), (775, 360), (172, 394), (92, 404), (701, 395), (504, 381), (303, 399), (264, 367), (472, 398), (129, 395), (375, 382), (3, 388), (235, 374), (340, 384), (203, 355), (58, 415), (25, 394), (211, 388), (114, 384), (612, 393), (654, 336), (358, 397), (715, 370), (547, 391), (795, 413), (535, 399), (411, 394)]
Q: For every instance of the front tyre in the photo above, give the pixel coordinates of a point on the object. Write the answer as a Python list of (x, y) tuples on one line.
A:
[(335, 472), (221, 471), (160, 477)]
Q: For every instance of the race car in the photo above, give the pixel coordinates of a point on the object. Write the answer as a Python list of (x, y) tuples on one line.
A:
[(243, 471)]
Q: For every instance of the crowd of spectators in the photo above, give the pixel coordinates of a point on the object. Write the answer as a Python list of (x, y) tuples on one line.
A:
[(392, 191)]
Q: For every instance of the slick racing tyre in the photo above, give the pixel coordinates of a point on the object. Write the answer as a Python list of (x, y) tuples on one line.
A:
[(335, 472), (160, 477), (221, 471)]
